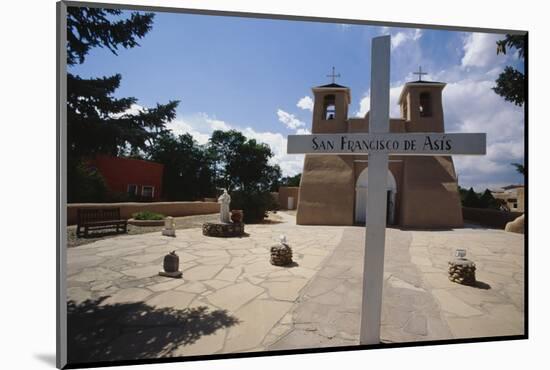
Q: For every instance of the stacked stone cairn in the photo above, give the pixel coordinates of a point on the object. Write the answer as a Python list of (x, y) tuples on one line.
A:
[(462, 271), (281, 254)]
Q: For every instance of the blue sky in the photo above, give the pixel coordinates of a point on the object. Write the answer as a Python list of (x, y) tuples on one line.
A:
[(255, 75)]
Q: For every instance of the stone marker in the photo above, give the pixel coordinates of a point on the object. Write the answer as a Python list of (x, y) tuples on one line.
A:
[(171, 265), (281, 254), (169, 227), (379, 144)]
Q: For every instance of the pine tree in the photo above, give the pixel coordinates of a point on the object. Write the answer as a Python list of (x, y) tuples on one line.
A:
[(97, 122), (471, 199), (487, 200)]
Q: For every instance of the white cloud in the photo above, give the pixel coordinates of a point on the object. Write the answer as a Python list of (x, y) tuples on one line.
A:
[(364, 103), (133, 110), (291, 164), (403, 37), (480, 50), (472, 106), (289, 120), (305, 103), (303, 131), (181, 127), (201, 126)]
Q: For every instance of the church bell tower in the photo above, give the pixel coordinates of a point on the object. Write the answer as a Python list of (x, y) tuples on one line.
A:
[(330, 109), (323, 201), (421, 105)]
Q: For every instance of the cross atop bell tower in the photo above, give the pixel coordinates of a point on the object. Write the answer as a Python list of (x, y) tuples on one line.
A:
[(420, 73), (334, 75)]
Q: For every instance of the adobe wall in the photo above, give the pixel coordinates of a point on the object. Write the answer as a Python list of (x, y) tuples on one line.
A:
[(288, 191), (174, 209), (327, 191), (120, 172), (489, 217), (521, 199), (431, 198)]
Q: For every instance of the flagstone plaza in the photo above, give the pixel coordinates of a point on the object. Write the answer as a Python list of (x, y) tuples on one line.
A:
[(231, 299)]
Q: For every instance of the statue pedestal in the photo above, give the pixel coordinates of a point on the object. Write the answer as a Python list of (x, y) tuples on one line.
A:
[(222, 230), (168, 232)]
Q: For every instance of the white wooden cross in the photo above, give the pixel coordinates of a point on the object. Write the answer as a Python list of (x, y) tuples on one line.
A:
[(378, 144)]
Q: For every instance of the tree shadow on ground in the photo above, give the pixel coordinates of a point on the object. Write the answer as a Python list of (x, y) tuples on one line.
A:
[(291, 265), (266, 221), (131, 331), (481, 285)]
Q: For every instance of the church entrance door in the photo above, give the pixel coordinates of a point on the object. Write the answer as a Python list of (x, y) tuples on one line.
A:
[(361, 198)]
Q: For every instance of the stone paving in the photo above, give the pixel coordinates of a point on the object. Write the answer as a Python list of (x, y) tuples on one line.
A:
[(419, 301), (231, 299), (230, 278)]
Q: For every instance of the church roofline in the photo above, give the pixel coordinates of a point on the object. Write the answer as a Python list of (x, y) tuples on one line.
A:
[(334, 86), (417, 84)]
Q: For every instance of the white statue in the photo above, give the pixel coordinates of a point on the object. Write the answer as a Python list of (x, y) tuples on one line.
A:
[(224, 201)]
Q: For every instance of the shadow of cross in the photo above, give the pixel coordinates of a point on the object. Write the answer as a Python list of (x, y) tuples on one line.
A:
[(379, 144), (131, 331)]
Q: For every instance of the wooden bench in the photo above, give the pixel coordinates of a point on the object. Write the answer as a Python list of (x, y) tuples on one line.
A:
[(99, 219)]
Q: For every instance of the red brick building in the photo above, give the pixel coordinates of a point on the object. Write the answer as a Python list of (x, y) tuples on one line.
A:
[(141, 179)]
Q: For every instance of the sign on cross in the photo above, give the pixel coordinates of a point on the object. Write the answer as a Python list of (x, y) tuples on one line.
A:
[(379, 144)]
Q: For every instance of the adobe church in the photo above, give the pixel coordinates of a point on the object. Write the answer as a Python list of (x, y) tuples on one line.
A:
[(422, 191)]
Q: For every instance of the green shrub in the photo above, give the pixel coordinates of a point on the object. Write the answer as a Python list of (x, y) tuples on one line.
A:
[(254, 204), (147, 215), (84, 183)]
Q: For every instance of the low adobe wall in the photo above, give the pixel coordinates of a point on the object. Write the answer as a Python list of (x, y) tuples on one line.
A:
[(489, 217), (174, 209), (285, 192)]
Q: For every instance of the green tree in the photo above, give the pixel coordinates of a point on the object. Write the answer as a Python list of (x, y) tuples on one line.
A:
[(241, 163), (242, 166), (85, 184), (97, 122), (188, 172), (487, 200), (463, 192), (291, 180), (510, 84), (471, 199), (519, 168)]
